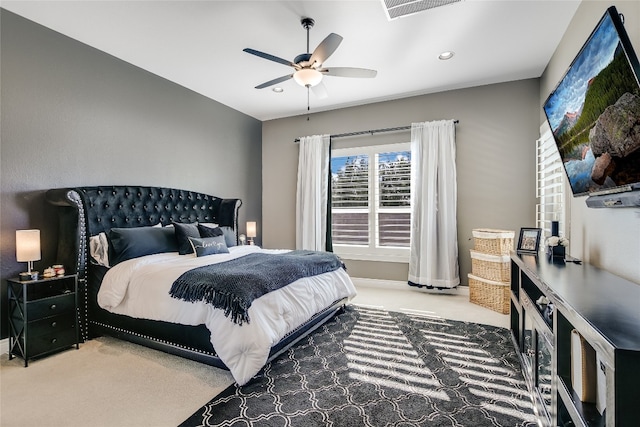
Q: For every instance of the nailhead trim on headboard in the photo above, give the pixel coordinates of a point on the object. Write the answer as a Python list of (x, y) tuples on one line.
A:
[(101, 208)]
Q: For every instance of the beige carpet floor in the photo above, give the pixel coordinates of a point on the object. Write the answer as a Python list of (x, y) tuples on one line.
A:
[(108, 383)]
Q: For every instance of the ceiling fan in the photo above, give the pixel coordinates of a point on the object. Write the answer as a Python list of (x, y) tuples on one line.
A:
[(308, 66)]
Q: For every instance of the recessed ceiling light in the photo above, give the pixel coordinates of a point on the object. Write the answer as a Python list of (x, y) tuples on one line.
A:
[(446, 55), (278, 90)]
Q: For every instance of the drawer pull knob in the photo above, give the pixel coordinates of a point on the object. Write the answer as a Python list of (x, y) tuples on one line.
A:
[(53, 307), (54, 324), (55, 340)]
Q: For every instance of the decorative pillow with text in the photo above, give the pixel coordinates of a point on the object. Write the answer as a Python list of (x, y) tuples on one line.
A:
[(208, 245)]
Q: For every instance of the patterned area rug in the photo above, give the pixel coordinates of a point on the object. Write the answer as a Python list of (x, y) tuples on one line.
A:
[(369, 367)]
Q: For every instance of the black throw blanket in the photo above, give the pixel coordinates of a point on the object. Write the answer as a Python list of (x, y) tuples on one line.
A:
[(233, 285)]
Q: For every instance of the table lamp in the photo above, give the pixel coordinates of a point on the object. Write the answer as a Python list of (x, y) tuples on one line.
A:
[(251, 231), (28, 250)]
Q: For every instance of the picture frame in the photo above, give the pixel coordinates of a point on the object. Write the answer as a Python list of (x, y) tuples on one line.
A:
[(529, 240)]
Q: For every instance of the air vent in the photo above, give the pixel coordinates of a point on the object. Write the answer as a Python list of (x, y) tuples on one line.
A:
[(399, 8)]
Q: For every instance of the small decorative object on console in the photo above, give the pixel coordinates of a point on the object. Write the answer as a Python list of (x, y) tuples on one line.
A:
[(546, 308), (59, 269), (529, 240), (27, 276), (56, 270), (556, 246)]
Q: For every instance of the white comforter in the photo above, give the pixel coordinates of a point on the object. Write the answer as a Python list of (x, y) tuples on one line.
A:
[(140, 288)]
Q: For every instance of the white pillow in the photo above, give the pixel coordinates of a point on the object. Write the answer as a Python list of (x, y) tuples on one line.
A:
[(99, 249)]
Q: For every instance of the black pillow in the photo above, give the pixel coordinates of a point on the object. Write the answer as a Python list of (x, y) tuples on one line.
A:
[(209, 245), (209, 231), (128, 243), (183, 232)]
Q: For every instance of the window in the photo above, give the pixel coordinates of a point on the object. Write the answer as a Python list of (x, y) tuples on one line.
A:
[(549, 184), (370, 202)]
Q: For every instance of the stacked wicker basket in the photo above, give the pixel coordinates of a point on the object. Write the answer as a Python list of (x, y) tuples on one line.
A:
[(490, 277)]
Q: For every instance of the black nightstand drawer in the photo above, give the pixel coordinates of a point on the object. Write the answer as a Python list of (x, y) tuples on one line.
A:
[(50, 287), (48, 342), (51, 306), (53, 324)]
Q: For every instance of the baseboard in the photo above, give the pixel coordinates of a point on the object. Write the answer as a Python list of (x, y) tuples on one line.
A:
[(4, 346), (398, 285), (379, 283)]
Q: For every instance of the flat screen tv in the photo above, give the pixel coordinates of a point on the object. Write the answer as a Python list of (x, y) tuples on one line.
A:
[(594, 112)]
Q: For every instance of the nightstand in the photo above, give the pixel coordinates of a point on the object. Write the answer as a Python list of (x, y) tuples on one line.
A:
[(42, 316)]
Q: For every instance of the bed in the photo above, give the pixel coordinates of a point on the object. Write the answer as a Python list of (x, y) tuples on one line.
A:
[(127, 296)]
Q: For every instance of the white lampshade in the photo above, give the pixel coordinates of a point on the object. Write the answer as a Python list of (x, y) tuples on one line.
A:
[(307, 77), (251, 229), (28, 246)]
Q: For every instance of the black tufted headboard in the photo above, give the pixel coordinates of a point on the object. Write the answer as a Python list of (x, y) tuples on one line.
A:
[(88, 211), (99, 209)]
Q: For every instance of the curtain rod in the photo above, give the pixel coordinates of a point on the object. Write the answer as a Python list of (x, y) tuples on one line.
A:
[(372, 131)]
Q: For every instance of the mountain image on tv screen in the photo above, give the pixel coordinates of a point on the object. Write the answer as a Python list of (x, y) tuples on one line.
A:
[(594, 113)]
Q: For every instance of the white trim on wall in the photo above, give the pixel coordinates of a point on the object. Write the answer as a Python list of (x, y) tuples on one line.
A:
[(380, 283)]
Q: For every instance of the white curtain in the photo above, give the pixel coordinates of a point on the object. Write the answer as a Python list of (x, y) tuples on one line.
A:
[(434, 241), (312, 193)]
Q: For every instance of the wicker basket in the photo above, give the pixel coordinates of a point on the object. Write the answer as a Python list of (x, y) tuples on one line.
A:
[(492, 267), (490, 294), (495, 242)]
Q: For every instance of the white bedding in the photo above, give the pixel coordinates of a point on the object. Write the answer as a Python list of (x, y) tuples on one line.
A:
[(140, 288)]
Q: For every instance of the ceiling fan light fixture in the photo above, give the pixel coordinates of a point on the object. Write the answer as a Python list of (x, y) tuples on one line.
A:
[(307, 77)]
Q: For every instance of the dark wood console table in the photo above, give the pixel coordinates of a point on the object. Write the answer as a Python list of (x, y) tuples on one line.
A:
[(604, 309)]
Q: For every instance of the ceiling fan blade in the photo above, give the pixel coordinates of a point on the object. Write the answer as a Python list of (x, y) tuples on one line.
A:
[(320, 91), (325, 49), (348, 72), (274, 81), (270, 57)]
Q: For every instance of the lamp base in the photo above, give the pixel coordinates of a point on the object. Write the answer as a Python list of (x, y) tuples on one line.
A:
[(28, 276)]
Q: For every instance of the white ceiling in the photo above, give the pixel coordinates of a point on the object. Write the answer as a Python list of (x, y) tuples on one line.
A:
[(198, 44)]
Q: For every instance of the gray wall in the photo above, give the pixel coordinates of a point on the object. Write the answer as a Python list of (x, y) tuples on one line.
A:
[(72, 115), (495, 142), (608, 238)]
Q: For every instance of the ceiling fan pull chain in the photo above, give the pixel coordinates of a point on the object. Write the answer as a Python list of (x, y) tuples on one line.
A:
[(308, 108)]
